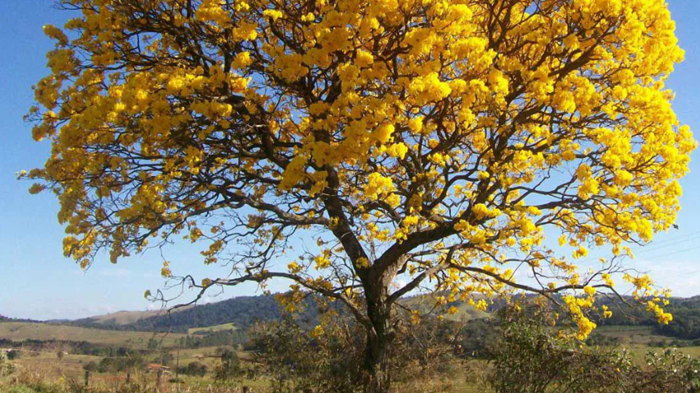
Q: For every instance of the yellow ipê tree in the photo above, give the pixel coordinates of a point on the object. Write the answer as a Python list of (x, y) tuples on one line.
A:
[(419, 142)]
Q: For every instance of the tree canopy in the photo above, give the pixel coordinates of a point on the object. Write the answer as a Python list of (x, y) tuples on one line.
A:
[(415, 139)]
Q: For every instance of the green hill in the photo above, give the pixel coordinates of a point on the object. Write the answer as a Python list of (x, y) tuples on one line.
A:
[(241, 312)]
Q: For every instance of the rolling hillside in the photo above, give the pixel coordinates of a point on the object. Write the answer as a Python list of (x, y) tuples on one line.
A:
[(123, 317), (21, 331), (241, 312)]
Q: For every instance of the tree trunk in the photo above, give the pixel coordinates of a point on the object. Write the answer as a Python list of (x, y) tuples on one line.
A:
[(378, 350)]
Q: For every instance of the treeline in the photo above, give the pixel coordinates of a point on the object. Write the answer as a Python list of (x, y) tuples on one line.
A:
[(685, 324), (75, 347), (686, 320), (232, 337)]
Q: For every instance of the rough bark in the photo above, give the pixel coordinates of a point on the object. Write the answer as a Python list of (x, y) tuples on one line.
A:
[(379, 341)]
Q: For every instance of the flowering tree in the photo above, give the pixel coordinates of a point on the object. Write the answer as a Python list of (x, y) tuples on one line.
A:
[(423, 142)]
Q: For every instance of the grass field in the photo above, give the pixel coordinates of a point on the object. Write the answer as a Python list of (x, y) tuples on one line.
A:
[(45, 369), (19, 331), (216, 328)]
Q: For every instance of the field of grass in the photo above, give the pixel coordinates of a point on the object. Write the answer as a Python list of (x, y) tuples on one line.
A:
[(216, 328), (629, 334), (36, 373), (19, 331)]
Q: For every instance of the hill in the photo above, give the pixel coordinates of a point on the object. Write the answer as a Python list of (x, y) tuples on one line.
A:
[(241, 312), (21, 331), (119, 318)]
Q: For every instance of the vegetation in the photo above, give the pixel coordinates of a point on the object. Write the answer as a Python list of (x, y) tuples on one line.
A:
[(230, 366), (196, 369), (532, 358)]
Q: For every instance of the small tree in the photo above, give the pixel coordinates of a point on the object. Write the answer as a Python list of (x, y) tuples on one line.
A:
[(230, 366), (414, 140)]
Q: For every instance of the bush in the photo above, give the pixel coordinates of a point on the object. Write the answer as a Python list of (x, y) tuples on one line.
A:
[(194, 369), (13, 354), (230, 366), (6, 368), (91, 366), (531, 358)]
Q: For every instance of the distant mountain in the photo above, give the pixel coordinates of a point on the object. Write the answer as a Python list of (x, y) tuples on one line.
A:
[(241, 311)]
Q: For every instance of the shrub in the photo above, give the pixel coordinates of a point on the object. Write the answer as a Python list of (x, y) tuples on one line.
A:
[(13, 354), (91, 366), (532, 358), (6, 367), (194, 369), (230, 366)]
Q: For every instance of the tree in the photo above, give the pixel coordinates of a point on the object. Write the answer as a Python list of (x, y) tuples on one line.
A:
[(230, 367), (426, 142)]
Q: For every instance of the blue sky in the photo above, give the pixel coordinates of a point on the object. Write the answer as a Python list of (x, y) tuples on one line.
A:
[(36, 281)]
